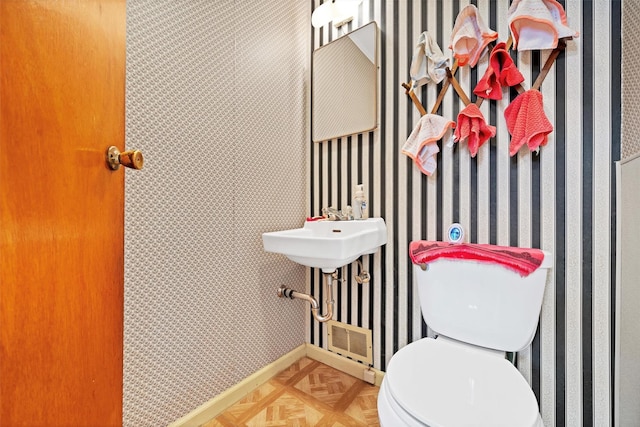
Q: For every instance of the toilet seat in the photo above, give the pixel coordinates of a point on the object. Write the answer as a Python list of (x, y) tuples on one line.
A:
[(444, 383)]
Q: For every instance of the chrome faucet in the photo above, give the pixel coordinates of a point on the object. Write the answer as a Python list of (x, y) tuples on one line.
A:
[(333, 214)]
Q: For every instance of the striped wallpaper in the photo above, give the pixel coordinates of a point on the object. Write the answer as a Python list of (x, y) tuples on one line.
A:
[(562, 200)]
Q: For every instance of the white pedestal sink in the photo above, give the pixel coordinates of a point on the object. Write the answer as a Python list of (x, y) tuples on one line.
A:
[(328, 244)]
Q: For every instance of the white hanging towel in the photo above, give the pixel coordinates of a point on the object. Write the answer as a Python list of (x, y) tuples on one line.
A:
[(428, 64), (422, 145)]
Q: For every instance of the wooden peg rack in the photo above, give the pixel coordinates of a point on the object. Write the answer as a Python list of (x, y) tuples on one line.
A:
[(452, 81)]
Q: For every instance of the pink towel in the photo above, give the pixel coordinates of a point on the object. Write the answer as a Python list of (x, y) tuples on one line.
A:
[(472, 127), (489, 87), (527, 122), (502, 64), (521, 260), (501, 72), (538, 24), (470, 36)]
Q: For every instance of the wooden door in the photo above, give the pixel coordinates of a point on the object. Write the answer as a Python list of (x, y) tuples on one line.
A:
[(61, 212)]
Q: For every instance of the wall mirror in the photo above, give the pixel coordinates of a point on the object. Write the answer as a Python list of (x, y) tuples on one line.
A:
[(345, 85)]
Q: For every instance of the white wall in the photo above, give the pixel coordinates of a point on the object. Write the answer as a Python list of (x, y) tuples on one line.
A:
[(216, 101), (628, 298), (627, 379)]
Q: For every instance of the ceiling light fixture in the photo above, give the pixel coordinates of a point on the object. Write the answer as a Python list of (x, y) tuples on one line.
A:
[(339, 12)]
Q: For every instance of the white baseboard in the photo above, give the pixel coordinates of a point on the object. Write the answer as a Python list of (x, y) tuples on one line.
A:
[(224, 400), (227, 398)]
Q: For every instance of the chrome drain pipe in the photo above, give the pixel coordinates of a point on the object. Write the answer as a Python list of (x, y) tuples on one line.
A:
[(284, 292)]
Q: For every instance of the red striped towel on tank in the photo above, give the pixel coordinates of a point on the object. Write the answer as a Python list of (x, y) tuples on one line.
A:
[(521, 260)]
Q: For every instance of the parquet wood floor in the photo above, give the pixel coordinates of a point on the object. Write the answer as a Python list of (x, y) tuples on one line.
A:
[(308, 393)]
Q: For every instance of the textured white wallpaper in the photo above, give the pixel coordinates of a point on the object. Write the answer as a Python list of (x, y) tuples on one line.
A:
[(216, 101), (630, 81)]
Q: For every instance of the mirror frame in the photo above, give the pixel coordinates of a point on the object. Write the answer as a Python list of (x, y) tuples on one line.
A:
[(335, 90)]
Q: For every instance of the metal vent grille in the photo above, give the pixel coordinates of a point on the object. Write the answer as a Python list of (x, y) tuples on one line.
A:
[(350, 341)]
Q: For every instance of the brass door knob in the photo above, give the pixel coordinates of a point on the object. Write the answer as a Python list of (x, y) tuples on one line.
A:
[(131, 158)]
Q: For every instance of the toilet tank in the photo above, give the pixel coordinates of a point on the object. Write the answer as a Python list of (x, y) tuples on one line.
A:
[(481, 303)]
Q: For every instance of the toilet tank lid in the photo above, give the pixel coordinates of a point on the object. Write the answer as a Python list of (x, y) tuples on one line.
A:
[(524, 261)]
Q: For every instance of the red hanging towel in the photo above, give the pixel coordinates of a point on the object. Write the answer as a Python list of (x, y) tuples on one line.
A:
[(527, 122), (472, 127), (521, 260), (500, 72)]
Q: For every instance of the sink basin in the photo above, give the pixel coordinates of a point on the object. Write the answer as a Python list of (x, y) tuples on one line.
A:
[(328, 244)]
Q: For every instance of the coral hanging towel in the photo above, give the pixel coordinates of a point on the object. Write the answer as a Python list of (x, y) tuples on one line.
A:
[(526, 122), (521, 260), (472, 127), (501, 72)]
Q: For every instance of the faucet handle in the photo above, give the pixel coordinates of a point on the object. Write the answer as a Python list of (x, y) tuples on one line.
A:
[(348, 212), (333, 214)]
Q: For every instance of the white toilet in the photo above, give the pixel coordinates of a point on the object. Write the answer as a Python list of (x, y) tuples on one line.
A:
[(461, 378)]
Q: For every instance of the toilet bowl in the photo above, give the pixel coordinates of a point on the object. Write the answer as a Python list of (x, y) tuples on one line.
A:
[(461, 386), (462, 378)]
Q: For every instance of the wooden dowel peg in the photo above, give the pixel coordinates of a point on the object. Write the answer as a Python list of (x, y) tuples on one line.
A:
[(409, 91), (454, 82)]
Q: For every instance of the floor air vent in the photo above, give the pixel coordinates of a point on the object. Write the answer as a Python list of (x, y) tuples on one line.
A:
[(350, 341)]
